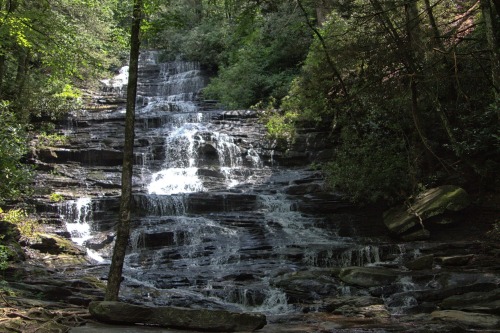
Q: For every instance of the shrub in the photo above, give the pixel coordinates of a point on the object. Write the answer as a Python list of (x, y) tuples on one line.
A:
[(56, 197), (15, 177), (26, 225), (371, 167)]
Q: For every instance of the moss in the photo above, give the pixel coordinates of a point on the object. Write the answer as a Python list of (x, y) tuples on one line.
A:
[(95, 282), (437, 200), (56, 245)]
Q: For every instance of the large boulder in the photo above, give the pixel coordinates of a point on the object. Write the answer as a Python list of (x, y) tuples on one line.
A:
[(407, 221), (306, 286), (53, 244), (174, 317)]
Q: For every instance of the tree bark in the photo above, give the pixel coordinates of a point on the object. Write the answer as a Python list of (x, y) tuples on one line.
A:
[(497, 6), (123, 228), (2, 73), (22, 72), (489, 18), (329, 60)]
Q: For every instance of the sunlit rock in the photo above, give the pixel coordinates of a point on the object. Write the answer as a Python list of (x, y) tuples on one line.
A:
[(405, 219)]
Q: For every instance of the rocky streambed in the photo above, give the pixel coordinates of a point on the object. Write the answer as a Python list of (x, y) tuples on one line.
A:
[(449, 287), (225, 220)]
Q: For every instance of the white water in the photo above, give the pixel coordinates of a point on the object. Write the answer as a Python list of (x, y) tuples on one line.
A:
[(174, 181), (77, 215), (119, 81), (227, 253)]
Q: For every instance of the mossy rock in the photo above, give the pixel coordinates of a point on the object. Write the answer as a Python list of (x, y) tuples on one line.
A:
[(433, 202), (53, 244), (9, 239)]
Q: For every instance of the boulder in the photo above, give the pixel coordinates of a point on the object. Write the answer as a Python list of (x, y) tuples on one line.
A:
[(174, 317), (468, 318), (367, 276), (305, 286), (430, 203), (53, 244)]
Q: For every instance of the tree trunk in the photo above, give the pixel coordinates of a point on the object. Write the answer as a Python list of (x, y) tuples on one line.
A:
[(324, 47), (22, 72), (123, 228), (323, 9), (489, 18), (2, 73)]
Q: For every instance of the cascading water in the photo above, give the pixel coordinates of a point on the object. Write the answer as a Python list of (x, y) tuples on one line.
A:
[(213, 224), (78, 215), (222, 218)]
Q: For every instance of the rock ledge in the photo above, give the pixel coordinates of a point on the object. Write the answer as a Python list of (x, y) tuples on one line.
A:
[(175, 317)]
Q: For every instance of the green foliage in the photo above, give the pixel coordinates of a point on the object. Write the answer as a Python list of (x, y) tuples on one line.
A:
[(56, 197), (4, 256), (26, 225), (48, 100), (371, 166), (409, 97), (15, 177), (263, 56), (280, 126), (49, 48), (50, 140)]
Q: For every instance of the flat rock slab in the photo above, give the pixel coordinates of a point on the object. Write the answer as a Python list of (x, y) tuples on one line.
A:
[(174, 317)]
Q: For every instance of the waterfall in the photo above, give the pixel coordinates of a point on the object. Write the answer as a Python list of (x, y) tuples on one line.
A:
[(78, 217), (212, 223)]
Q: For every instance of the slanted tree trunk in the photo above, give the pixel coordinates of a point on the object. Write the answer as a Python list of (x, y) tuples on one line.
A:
[(123, 228)]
